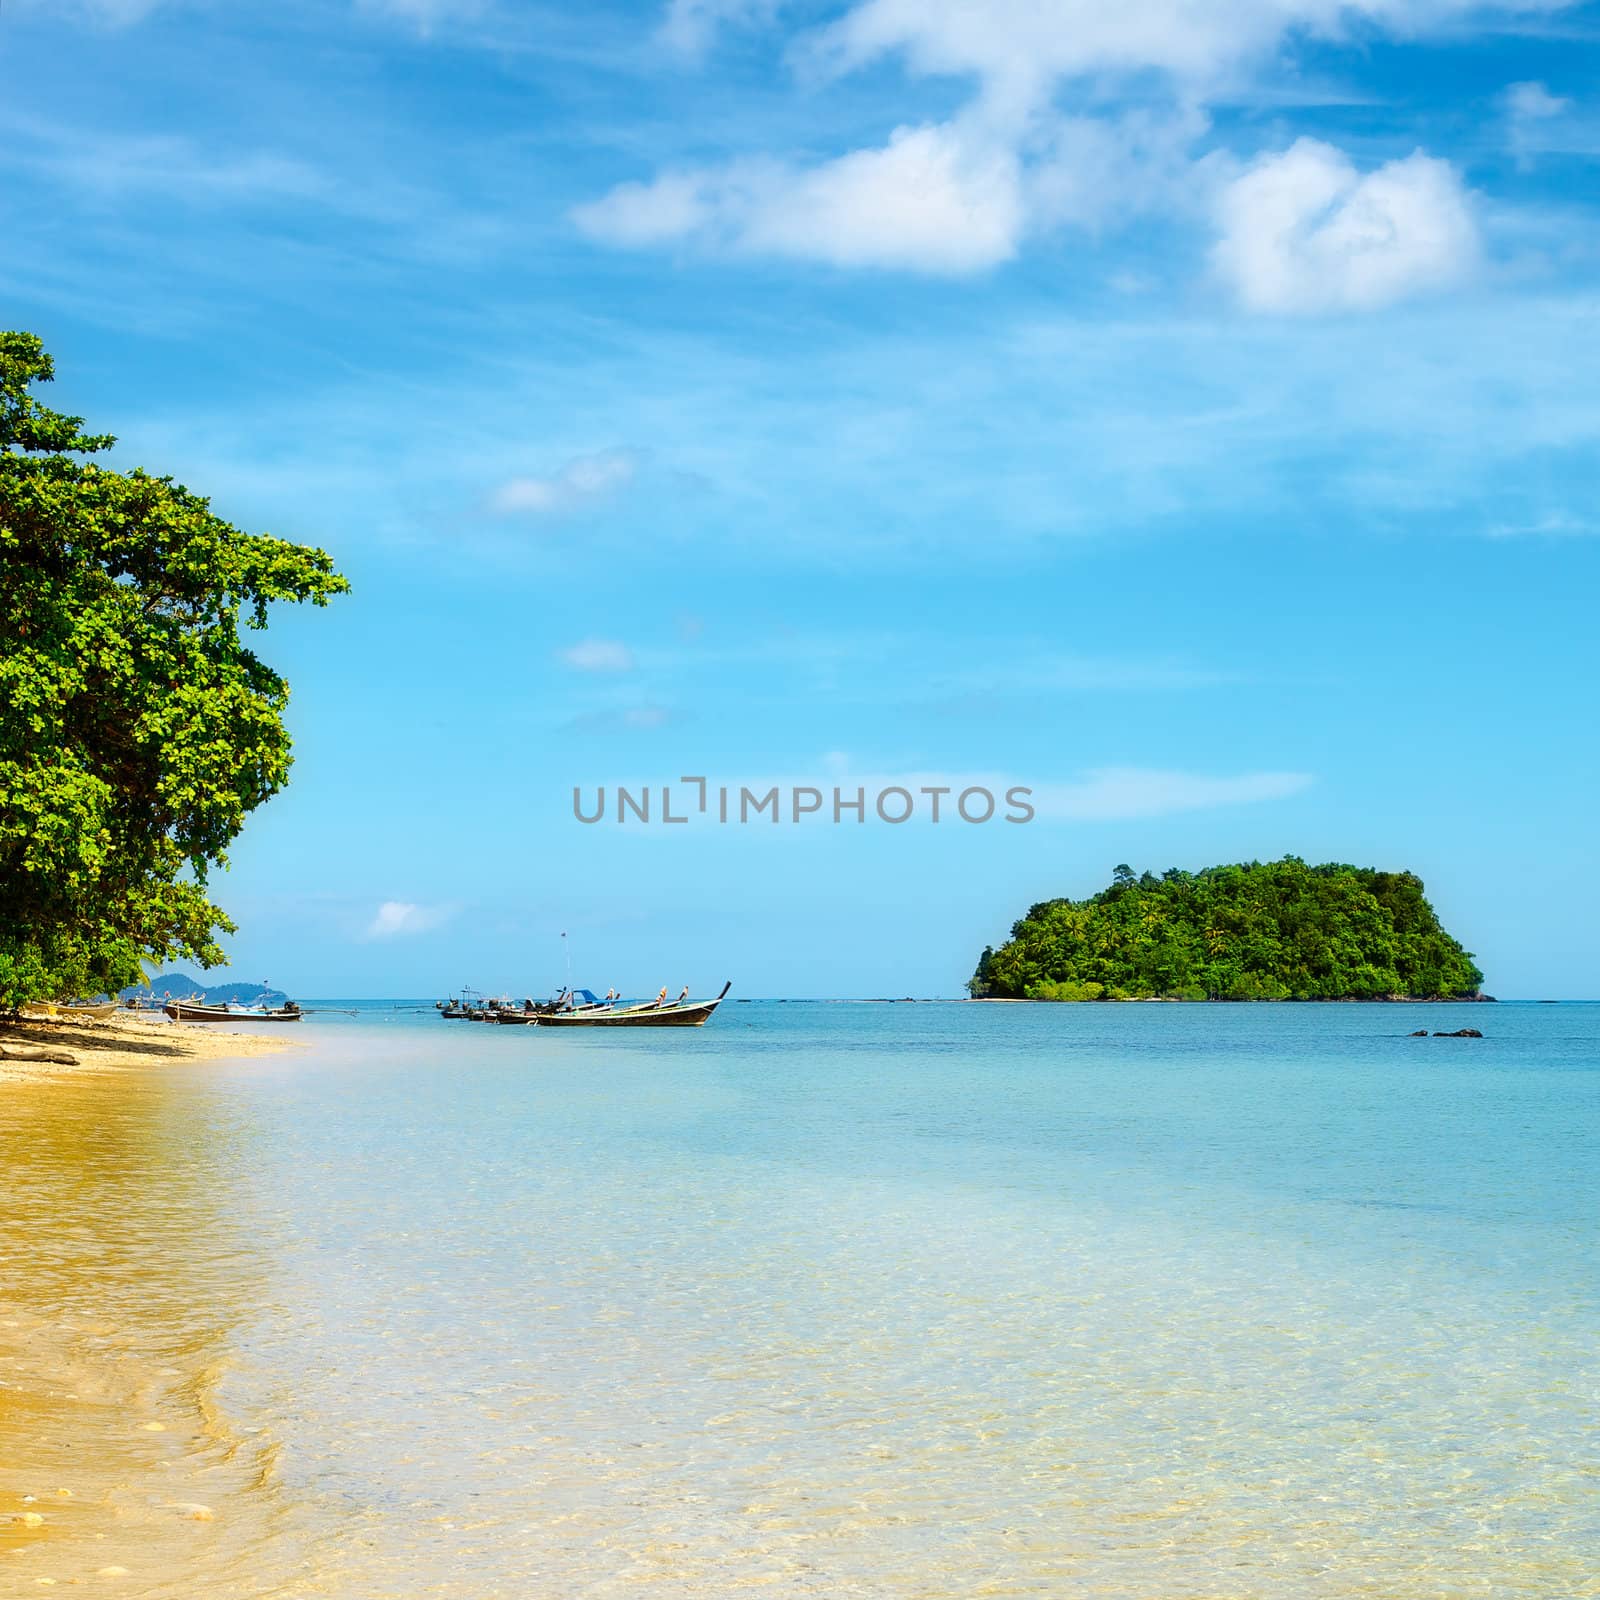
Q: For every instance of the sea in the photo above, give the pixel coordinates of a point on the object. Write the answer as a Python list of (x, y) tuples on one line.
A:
[(902, 1301)]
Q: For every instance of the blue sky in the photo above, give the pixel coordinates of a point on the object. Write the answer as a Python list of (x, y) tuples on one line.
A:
[(1188, 412)]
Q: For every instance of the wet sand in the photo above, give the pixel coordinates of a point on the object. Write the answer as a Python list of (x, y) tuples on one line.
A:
[(118, 1468)]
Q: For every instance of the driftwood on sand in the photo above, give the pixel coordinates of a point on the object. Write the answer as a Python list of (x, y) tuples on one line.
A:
[(61, 1058)]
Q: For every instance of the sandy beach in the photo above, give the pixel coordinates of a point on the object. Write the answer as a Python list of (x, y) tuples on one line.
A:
[(128, 1040)]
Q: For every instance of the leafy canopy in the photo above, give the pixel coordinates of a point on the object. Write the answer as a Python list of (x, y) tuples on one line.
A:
[(1279, 930), (137, 730)]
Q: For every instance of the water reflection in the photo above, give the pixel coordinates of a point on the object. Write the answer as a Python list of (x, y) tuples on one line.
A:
[(127, 1274)]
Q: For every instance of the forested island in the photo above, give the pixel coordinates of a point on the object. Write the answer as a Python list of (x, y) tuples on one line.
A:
[(1277, 930)]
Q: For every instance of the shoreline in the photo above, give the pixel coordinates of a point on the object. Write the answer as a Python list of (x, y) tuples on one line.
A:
[(122, 1043)]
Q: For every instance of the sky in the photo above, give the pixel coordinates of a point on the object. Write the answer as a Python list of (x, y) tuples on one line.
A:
[(1188, 413)]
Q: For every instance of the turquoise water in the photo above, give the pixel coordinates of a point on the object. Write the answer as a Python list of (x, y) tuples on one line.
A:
[(915, 1300)]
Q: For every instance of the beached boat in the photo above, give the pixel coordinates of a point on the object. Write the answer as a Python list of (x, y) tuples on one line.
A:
[(665, 1014), (199, 1011), (82, 1010)]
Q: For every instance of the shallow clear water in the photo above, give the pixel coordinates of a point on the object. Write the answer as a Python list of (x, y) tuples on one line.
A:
[(909, 1300)]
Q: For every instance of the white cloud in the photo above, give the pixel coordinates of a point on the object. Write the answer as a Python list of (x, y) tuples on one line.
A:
[(1304, 231), (937, 198), (961, 196), (1110, 794), (582, 481), (1019, 48), (599, 655), (397, 918)]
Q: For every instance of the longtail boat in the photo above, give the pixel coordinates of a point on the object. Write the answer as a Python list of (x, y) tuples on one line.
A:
[(654, 1014), (198, 1011), (517, 1015)]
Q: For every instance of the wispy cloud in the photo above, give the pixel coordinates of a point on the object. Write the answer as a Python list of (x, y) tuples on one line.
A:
[(582, 481), (598, 655), (1539, 123), (108, 13), (628, 719), (690, 27), (1552, 525), (425, 15), (129, 163), (399, 918)]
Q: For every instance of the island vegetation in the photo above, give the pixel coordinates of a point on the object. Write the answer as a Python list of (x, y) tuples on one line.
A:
[(1277, 930), (137, 728)]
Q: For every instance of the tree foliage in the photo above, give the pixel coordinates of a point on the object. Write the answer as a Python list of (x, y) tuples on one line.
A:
[(137, 730), (1279, 930)]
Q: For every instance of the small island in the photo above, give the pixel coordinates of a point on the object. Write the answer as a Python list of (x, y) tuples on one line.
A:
[(1277, 930)]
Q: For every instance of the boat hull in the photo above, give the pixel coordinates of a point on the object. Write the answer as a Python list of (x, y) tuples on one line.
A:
[(97, 1011), (182, 1011)]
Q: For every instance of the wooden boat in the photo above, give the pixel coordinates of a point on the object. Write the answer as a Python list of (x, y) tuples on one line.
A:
[(673, 1014), (83, 1010), (517, 1016), (199, 1011)]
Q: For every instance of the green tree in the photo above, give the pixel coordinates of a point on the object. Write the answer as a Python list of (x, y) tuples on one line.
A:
[(137, 730)]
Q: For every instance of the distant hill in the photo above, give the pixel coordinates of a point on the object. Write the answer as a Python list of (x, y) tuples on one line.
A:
[(179, 985), (1279, 930)]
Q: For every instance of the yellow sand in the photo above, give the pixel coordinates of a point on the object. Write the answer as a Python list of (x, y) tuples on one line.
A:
[(129, 1039)]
